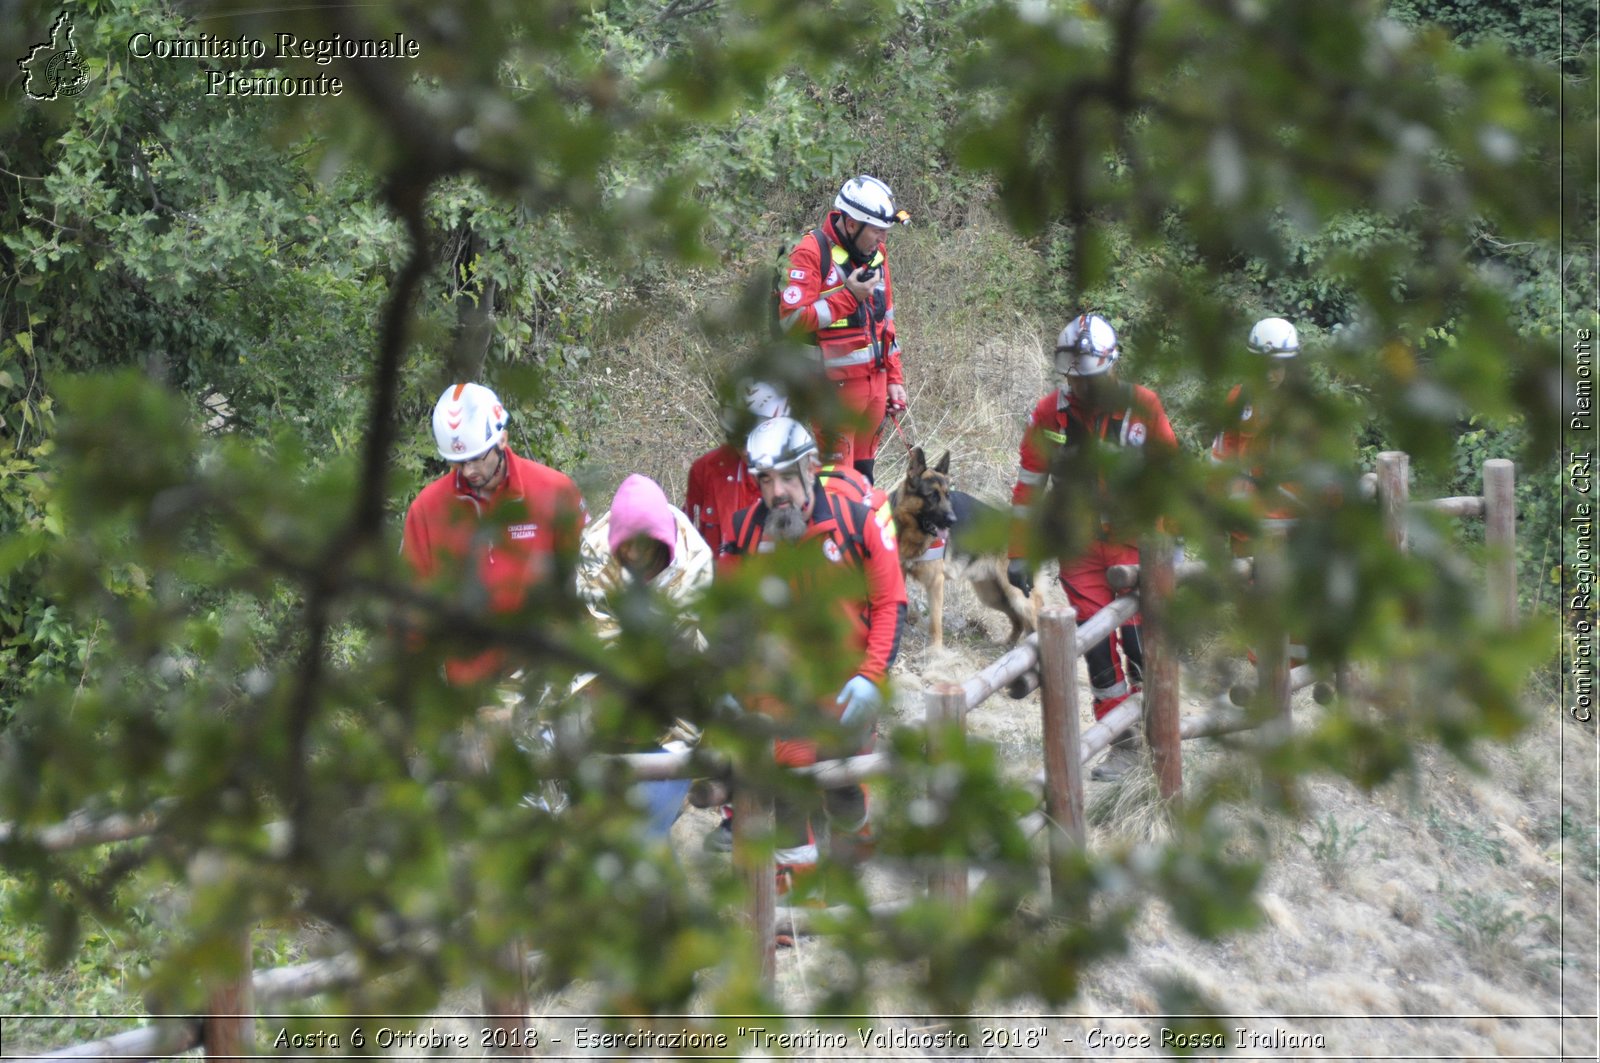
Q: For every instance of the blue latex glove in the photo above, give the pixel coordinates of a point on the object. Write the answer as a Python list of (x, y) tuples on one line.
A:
[(861, 699)]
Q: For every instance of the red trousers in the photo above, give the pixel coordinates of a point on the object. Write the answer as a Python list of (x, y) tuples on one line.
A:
[(863, 404), (1116, 663), (845, 807)]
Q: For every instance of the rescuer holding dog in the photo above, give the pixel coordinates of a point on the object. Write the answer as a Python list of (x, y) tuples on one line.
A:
[(837, 295)]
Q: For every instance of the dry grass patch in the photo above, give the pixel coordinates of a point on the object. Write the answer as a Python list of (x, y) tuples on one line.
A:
[(1432, 895)]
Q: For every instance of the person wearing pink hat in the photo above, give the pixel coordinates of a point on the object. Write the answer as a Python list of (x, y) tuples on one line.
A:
[(644, 539)]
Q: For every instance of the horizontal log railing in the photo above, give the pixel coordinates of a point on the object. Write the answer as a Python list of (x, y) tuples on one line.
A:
[(1046, 660)]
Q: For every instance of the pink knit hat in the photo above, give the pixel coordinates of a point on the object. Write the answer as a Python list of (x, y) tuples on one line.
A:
[(641, 508)]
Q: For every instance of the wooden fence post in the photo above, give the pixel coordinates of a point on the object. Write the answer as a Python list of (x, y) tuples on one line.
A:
[(943, 706), (505, 1009), (1500, 535), (228, 1028), (752, 855), (1158, 581), (505, 997), (1063, 767), (1394, 492)]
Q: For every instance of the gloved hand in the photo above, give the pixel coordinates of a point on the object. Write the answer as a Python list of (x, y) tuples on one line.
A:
[(860, 699), (1020, 574)]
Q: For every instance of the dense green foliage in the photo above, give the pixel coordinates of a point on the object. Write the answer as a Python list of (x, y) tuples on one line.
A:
[(221, 326)]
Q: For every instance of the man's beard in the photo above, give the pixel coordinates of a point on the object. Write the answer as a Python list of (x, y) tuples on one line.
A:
[(490, 479), (786, 525)]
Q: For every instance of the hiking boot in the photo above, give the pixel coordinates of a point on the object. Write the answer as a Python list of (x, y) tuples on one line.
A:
[(1122, 756), (720, 838)]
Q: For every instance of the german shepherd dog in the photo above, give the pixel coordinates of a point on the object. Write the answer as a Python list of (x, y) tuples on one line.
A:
[(925, 510)]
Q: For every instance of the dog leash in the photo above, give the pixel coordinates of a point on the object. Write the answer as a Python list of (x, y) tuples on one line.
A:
[(894, 419)]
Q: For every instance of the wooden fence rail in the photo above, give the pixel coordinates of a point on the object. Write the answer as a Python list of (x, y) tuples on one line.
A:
[(1047, 659)]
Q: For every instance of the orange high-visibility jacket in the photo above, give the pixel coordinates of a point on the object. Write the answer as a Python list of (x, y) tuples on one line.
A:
[(1244, 444), (814, 304), (845, 532)]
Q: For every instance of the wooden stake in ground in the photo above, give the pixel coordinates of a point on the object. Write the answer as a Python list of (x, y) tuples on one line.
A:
[(506, 1007), (946, 706), (752, 855), (229, 1025), (1272, 657), (1500, 535), (1158, 582), (1058, 701), (1394, 492)]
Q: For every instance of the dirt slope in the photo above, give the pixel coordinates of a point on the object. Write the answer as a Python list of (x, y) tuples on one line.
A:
[(1444, 916), (1444, 925)]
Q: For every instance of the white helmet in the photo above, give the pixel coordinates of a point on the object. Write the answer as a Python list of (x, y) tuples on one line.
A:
[(468, 422), (778, 444), (764, 400), (867, 199), (1087, 346), (1276, 337)]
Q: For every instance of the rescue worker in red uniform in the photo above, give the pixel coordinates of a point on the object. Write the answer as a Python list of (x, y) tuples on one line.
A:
[(797, 512), (1246, 439), (839, 296), (1092, 409), (846, 483), (1249, 438), (489, 528), (720, 484)]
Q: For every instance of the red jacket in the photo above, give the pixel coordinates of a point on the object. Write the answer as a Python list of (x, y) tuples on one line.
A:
[(849, 534), (720, 485), (815, 304), (499, 547), (1062, 421), (1245, 443)]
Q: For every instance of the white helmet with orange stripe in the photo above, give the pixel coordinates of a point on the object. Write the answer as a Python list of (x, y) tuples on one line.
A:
[(468, 422)]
